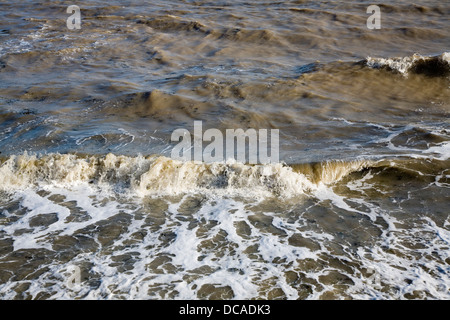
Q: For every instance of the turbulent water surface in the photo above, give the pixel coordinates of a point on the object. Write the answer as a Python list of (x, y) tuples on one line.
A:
[(92, 205)]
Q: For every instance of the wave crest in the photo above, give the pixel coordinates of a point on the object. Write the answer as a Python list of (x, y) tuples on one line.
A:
[(416, 64), (158, 175)]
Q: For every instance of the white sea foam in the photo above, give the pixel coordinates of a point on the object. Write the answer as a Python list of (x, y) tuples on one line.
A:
[(234, 269), (443, 149), (403, 64)]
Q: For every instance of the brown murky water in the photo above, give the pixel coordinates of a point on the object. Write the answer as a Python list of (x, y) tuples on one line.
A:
[(93, 207)]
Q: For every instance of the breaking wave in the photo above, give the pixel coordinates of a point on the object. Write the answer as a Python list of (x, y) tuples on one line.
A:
[(158, 175), (416, 64)]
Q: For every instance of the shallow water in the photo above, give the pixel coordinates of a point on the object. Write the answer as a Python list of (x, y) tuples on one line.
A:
[(93, 207)]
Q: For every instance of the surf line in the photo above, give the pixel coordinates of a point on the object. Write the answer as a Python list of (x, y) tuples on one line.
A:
[(233, 147)]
